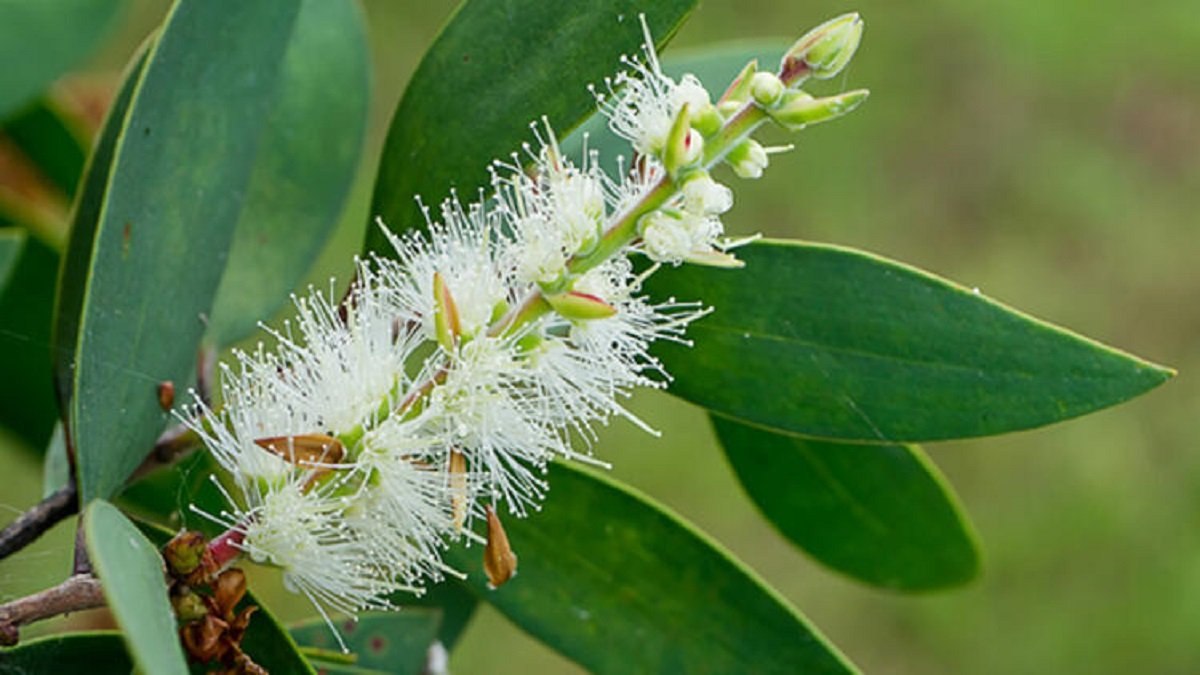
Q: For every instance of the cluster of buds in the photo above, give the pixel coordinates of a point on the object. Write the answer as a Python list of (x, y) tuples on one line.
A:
[(384, 426)]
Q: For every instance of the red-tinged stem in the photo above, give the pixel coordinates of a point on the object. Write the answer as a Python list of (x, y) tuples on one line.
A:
[(226, 548)]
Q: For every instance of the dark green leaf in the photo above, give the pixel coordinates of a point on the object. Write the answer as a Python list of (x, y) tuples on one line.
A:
[(27, 405), (881, 513), (153, 226), (131, 570), (52, 143), (41, 40), (455, 602), (835, 343), (12, 242), (307, 160), (612, 580), (389, 642), (95, 653), (496, 67)]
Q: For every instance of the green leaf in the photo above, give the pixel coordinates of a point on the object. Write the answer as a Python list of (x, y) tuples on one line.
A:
[(882, 514), (834, 343), (96, 653), (27, 405), (56, 468), (496, 67), (609, 578), (12, 242), (307, 161), (41, 40), (455, 603), (153, 225), (52, 142), (388, 642), (131, 571)]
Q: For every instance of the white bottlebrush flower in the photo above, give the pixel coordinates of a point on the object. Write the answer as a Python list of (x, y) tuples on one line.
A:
[(642, 102), (464, 249), (302, 530)]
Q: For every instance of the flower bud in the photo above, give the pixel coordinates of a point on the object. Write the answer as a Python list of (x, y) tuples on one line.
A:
[(189, 606), (798, 109), (766, 89), (748, 159), (704, 196), (824, 50), (707, 120), (184, 553), (580, 306)]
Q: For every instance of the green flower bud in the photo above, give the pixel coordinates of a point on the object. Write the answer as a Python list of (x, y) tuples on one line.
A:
[(580, 306), (748, 159), (707, 120), (798, 109), (739, 90), (824, 51), (685, 145), (766, 89)]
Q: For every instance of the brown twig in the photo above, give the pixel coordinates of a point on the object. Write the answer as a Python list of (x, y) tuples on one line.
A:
[(37, 520), (79, 592)]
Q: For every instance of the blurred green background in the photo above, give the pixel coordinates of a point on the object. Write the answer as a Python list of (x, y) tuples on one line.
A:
[(1045, 152)]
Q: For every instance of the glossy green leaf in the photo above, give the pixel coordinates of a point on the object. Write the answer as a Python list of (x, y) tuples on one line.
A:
[(27, 405), (453, 601), (153, 226), (41, 40), (389, 642), (307, 160), (610, 579), (131, 571), (12, 242), (51, 141), (830, 342), (496, 67), (882, 514), (95, 653)]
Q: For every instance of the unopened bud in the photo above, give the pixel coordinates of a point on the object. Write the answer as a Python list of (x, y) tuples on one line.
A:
[(766, 89), (184, 553), (748, 159), (458, 489), (580, 306), (823, 51), (799, 109), (189, 606), (707, 120)]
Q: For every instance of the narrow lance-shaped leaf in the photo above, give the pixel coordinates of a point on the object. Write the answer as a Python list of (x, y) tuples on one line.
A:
[(27, 406), (496, 67), (52, 141), (830, 342), (609, 579), (152, 230), (41, 40), (882, 514), (131, 571), (306, 162)]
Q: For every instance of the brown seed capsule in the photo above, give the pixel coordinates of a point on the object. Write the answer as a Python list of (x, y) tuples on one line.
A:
[(499, 561), (166, 394)]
